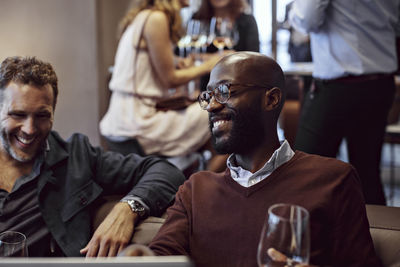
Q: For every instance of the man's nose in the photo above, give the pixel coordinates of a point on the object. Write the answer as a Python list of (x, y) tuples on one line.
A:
[(29, 126), (214, 104)]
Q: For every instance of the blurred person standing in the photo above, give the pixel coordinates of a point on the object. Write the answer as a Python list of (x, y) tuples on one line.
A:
[(144, 72), (354, 55)]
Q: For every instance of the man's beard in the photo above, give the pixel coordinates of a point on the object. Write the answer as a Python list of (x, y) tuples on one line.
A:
[(4, 139), (246, 134)]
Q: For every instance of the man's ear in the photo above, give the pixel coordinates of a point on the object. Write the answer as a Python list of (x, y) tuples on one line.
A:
[(272, 98)]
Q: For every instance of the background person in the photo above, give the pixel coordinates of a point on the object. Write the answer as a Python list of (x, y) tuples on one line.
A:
[(217, 217), (233, 10), (354, 55), (49, 187), (144, 73), (245, 25)]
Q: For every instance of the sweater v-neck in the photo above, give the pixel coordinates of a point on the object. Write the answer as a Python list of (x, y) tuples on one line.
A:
[(248, 191)]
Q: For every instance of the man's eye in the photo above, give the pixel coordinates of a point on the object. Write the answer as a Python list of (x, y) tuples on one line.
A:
[(206, 95), (223, 89), (43, 115), (17, 115)]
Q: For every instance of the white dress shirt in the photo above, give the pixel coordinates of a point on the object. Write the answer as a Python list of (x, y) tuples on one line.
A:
[(246, 178), (349, 37)]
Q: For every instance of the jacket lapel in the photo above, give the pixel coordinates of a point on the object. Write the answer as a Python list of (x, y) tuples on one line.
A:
[(56, 154)]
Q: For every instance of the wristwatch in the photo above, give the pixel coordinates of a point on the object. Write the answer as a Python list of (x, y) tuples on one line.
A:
[(136, 207)]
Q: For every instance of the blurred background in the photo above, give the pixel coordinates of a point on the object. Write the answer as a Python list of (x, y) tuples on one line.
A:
[(79, 38)]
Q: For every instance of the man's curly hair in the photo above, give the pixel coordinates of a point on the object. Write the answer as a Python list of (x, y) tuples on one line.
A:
[(28, 70)]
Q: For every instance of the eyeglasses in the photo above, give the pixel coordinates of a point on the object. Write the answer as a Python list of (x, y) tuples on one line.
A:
[(223, 92)]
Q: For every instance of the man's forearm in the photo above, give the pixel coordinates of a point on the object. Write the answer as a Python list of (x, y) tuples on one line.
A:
[(157, 187)]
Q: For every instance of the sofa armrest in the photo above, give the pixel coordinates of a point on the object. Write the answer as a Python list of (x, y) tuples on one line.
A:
[(144, 231), (384, 225)]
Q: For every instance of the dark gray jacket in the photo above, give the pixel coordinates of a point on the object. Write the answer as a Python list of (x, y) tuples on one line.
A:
[(75, 174)]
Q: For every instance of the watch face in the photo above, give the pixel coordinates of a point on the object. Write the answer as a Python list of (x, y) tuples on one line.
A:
[(136, 207)]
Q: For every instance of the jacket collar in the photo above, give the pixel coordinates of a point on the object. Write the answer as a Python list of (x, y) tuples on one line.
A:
[(56, 152), (56, 149)]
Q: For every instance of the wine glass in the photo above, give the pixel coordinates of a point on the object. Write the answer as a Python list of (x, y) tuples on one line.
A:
[(195, 38), (184, 44), (285, 238), (200, 33), (223, 33), (13, 244)]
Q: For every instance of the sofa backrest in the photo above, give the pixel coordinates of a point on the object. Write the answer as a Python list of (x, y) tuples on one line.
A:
[(384, 225)]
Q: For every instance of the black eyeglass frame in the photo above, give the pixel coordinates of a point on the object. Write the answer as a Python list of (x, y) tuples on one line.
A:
[(229, 85)]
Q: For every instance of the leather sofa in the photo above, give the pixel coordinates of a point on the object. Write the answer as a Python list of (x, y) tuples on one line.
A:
[(384, 227)]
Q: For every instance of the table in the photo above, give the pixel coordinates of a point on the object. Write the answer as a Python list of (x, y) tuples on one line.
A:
[(297, 68)]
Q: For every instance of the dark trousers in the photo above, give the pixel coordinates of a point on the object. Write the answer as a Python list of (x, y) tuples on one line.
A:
[(356, 110)]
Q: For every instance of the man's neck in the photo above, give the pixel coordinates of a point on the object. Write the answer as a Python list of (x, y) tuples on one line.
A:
[(11, 170), (255, 159)]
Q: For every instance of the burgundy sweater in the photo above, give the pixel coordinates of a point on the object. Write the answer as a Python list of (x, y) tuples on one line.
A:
[(217, 222)]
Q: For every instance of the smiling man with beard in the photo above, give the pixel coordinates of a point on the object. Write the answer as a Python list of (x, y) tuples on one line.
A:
[(49, 186), (217, 217)]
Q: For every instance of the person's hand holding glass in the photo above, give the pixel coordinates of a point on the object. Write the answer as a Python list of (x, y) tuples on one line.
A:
[(285, 238)]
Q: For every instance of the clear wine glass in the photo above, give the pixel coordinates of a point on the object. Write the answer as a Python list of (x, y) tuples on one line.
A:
[(223, 33), (13, 244), (185, 43), (211, 31), (285, 238), (182, 44), (200, 31)]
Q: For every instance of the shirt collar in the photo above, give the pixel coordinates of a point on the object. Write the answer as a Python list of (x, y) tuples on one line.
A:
[(31, 176), (35, 170), (246, 178)]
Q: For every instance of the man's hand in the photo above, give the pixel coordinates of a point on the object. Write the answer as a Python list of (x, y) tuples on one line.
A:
[(113, 234), (184, 63), (277, 256)]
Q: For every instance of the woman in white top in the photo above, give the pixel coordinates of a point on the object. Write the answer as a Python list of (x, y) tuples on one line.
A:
[(144, 71)]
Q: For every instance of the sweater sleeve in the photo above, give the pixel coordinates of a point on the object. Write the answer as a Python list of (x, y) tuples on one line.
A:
[(173, 237), (351, 240)]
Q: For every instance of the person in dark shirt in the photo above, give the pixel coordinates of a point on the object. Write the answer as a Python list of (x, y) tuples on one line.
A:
[(49, 186), (233, 10)]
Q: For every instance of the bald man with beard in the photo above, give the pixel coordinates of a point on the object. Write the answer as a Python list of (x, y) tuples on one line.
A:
[(217, 218)]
